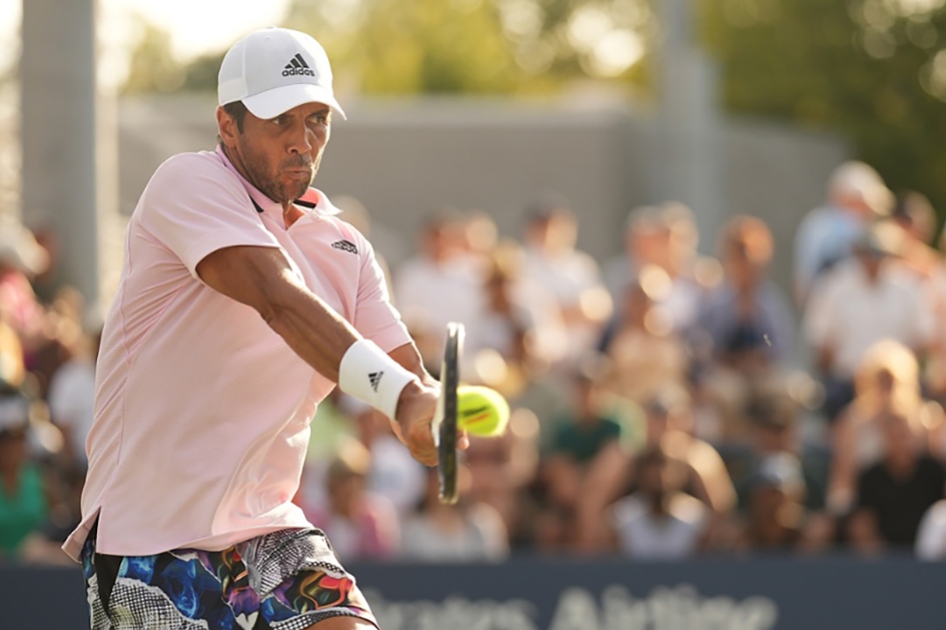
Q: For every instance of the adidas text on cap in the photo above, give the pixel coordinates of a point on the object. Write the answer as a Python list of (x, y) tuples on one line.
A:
[(275, 69)]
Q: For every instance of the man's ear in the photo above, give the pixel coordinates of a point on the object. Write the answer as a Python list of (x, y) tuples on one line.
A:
[(227, 127)]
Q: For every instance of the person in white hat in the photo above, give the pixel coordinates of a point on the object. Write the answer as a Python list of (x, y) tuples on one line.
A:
[(857, 197), (244, 300)]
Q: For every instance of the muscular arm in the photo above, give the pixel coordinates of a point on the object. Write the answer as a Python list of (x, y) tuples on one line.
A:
[(262, 278)]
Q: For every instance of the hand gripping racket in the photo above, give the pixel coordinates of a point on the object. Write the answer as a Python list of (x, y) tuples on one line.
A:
[(444, 425)]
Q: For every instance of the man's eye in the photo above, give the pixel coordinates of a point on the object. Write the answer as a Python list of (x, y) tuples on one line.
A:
[(279, 120)]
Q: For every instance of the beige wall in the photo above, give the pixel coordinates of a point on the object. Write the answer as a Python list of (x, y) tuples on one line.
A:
[(404, 159)]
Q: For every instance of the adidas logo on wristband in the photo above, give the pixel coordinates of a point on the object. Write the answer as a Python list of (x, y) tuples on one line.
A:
[(375, 379)]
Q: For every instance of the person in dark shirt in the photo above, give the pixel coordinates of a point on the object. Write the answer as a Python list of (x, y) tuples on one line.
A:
[(588, 427), (580, 437), (894, 494)]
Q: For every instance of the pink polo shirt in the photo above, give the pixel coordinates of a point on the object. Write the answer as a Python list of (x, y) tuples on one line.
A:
[(201, 411)]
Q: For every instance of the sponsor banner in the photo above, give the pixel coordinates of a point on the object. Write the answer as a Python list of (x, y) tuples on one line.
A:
[(540, 594), (707, 594)]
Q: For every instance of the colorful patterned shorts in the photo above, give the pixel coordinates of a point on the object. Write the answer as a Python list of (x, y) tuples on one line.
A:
[(286, 580)]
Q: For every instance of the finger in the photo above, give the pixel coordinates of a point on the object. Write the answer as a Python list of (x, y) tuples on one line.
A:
[(463, 441), (427, 458), (424, 450)]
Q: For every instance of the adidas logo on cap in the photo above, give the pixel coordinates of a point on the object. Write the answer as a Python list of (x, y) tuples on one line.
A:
[(273, 70), (297, 66)]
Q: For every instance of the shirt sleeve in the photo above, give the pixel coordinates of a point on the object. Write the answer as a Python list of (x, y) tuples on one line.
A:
[(195, 206), (375, 316)]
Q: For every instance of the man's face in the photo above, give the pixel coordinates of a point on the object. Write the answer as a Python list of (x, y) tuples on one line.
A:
[(280, 156), (742, 270)]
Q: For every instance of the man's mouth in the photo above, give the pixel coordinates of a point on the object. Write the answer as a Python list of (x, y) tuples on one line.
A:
[(298, 173)]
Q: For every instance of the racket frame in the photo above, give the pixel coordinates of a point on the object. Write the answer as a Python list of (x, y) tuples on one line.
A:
[(445, 431)]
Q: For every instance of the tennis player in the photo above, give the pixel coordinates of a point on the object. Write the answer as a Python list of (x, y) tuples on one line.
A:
[(244, 299)]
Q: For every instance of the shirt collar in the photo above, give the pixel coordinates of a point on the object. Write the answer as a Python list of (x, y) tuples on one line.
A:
[(313, 199), (317, 201)]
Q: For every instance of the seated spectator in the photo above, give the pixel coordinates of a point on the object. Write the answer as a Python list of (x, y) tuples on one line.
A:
[(895, 493), (520, 321), (465, 532), (774, 430), (669, 426), (24, 506), (659, 521), (915, 215), (645, 243), (21, 258), (857, 195), (589, 426), (442, 284), (887, 380), (776, 519), (361, 525), (480, 236), (393, 473), (501, 468), (862, 301), (746, 324), (580, 435), (572, 276), (72, 396), (643, 349), (666, 237)]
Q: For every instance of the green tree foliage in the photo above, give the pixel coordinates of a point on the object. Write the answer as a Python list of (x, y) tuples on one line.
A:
[(153, 67), (478, 46), (423, 46), (875, 70), (446, 46)]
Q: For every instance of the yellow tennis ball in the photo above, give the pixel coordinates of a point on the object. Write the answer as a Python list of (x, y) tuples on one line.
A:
[(482, 411)]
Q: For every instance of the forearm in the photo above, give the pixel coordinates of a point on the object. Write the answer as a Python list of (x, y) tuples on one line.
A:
[(264, 279), (310, 327), (328, 343)]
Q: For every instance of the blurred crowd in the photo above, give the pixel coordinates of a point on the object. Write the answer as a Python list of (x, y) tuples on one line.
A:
[(664, 403)]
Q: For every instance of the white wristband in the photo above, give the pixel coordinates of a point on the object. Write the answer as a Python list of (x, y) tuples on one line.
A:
[(370, 375)]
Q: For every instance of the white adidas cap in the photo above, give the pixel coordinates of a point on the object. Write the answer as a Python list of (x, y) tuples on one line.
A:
[(275, 69)]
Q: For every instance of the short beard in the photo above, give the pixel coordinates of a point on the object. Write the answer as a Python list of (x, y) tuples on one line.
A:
[(267, 183)]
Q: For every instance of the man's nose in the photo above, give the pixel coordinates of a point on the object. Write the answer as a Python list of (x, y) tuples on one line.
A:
[(301, 140)]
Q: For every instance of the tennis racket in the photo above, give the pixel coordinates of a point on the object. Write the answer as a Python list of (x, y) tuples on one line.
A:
[(444, 425)]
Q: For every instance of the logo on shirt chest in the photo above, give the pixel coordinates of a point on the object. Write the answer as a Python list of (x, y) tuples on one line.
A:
[(345, 246)]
